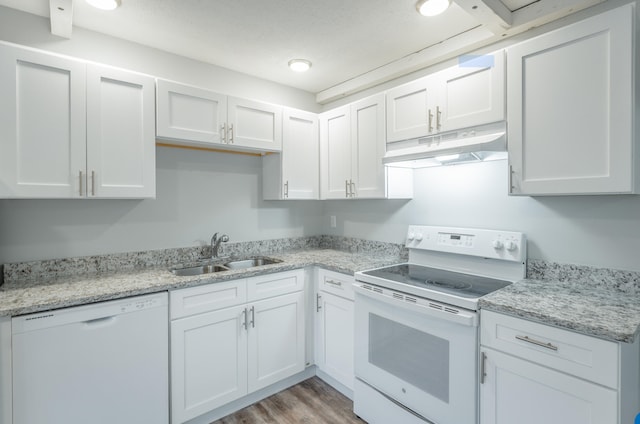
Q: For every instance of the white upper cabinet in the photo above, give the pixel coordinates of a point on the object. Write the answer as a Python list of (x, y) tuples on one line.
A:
[(190, 113), (196, 116), (294, 173), (469, 94), (74, 130), (352, 144), (368, 146), (472, 93), (335, 153), (121, 151), (410, 110), (255, 125), (43, 131), (571, 108)]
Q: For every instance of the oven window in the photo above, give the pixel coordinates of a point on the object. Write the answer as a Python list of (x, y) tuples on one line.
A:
[(418, 358)]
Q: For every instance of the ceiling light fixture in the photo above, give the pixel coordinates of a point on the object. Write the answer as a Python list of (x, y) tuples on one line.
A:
[(432, 7), (104, 4), (299, 65)]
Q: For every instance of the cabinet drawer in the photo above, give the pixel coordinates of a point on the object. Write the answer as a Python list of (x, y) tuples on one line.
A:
[(196, 300), (572, 353), (271, 285), (336, 283)]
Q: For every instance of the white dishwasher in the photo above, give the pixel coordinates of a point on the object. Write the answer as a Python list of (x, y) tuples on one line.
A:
[(103, 363)]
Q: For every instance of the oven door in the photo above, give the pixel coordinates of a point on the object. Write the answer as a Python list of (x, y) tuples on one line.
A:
[(420, 357)]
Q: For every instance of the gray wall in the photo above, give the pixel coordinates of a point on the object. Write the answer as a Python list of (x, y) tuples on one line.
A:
[(198, 193), (589, 230)]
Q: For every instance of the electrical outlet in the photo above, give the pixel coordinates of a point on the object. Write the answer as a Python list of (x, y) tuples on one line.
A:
[(333, 221)]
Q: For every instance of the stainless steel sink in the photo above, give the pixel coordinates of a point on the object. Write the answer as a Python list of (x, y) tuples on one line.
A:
[(251, 262), (199, 270), (210, 268)]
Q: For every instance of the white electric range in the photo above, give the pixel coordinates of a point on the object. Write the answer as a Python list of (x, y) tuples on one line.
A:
[(416, 324)]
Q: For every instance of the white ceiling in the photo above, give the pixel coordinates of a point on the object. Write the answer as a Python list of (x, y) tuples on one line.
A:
[(344, 39)]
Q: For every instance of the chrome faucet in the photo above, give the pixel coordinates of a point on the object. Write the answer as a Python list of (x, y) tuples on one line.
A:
[(215, 244)]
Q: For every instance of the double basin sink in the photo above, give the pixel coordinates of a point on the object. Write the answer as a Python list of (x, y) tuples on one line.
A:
[(209, 268)]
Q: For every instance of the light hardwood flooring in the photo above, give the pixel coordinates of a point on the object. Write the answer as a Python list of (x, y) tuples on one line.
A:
[(311, 402)]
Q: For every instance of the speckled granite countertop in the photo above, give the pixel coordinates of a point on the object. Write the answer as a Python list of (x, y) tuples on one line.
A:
[(597, 302), (26, 296)]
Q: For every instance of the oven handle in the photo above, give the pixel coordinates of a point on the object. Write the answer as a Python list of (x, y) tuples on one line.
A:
[(463, 317)]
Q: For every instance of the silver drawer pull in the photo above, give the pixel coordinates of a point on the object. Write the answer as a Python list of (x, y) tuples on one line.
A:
[(537, 342), (334, 283)]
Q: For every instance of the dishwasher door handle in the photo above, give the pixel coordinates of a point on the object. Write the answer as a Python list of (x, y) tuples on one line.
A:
[(100, 322)]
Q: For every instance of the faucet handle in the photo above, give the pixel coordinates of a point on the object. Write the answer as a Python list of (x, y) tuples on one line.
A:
[(224, 238)]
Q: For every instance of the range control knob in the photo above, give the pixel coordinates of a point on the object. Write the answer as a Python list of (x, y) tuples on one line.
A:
[(497, 244), (510, 246), (419, 237), (411, 236)]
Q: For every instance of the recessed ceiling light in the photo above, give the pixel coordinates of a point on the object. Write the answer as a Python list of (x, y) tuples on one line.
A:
[(299, 65), (104, 4), (432, 7)]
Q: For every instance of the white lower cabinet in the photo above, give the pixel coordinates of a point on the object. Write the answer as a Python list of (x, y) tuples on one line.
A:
[(519, 391), (252, 336), (334, 327), (532, 373)]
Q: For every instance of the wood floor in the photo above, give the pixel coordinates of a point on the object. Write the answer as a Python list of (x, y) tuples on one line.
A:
[(311, 402)]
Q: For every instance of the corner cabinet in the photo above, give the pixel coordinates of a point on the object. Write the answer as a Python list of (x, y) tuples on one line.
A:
[(74, 130), (469, 94), (232, 338), (294, 173), (335, 327), (352, 144), (532, 373), (571, 108), (196, 116)]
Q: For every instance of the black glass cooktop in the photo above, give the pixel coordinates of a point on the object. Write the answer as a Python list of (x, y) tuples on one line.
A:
[(459, 284)]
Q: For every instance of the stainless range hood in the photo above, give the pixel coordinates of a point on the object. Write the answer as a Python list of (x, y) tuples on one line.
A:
[(485, 143)]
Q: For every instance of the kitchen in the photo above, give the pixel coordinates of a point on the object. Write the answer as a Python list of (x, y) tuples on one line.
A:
[(598, 231)]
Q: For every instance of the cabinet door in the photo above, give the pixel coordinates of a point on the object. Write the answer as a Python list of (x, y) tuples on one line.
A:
[(300, 155), (368, 146), (519, 391), (276, 339), (410, 110), (472, 93), (193, 114), (334, 337), (208, 362), (121, 152), (335, 153), (43, 130), (254, 125), (570, 108)]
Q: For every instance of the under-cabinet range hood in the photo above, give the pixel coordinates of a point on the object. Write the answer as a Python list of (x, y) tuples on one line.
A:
[(485, 143)]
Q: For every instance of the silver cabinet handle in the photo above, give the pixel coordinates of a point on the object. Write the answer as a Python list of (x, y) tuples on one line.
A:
[(253, 317), (438, 115), (244, 318), (346, 188), (223, 136), (537, 342), (353, 188), (430, 118), (286, 189), (231, 134), (318, 305), (80, 178), (334, 283), (483, 367), (93, 183), (511, 187)]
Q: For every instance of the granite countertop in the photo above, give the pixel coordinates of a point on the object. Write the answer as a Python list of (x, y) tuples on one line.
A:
[(27, 296), (592, 306)]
